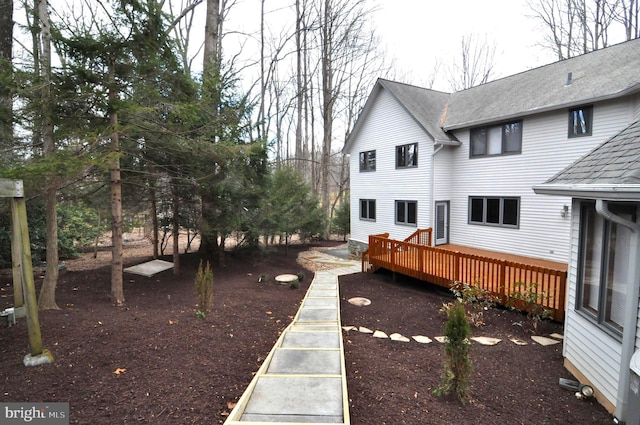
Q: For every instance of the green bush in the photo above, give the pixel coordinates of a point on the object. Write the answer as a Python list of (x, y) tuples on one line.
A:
[(529, 298), (475, 299), (457, 364)]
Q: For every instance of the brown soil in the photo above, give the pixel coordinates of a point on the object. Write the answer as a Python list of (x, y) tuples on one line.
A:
[(392, 382), (153, 361)]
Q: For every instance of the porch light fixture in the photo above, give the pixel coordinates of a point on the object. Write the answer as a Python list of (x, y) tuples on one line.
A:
[(564, 211)]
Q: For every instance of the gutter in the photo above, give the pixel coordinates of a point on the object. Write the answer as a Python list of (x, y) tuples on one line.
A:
[(436, 148), (626, 192), (631, 305)]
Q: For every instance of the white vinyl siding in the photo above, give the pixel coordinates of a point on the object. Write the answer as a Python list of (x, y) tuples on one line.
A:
[(594, 352), (546, 150), (386, 126)]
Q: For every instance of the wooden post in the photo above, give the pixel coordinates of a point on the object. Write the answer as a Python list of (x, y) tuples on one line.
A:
[(16, 257), (33, 323), (23, 285)]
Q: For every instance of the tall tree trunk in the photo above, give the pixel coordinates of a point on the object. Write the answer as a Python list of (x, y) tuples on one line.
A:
[(47, 300), (176, 236), (299, 89), (327, 109), (154, 221), (117, 290), (6, 67), (263, 86), (211, 54), (212, 86)]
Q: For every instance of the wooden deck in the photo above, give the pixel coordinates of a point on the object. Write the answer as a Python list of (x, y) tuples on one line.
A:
[(495, 272)]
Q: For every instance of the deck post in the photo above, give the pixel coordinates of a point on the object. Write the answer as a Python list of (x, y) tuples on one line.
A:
[(502, 281)]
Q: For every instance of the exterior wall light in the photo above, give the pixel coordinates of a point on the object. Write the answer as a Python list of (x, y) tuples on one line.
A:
[(564, 211)]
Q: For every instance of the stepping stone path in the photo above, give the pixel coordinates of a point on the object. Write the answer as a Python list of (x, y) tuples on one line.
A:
[(553, 339), (380, 334), (398, 337), (543, 340)]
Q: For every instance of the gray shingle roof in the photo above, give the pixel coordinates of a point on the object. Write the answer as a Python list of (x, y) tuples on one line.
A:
[(605, 73), (424, 105), (615, 162)]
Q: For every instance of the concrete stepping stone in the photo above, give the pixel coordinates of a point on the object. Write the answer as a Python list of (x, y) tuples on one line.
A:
[(485, 340), (380, 334), (365, 330), (349, 328), (443, 339), (317, 314), (543, 340), (398, 337), (518, 341), (360, 301), (311, 340), (557, 336), (321, 302), (286, 279), (303, 396), (305, 362), (422, 339), (316, 293)]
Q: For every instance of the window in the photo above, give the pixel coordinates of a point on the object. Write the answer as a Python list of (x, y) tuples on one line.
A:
[(604, 264), (494, 211), (496, 140), (407, 212), (407, 156), (580, 120), (368, 161), (368, 209)]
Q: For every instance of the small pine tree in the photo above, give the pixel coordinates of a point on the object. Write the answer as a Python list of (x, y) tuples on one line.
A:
[(204, 289), (457, 364)]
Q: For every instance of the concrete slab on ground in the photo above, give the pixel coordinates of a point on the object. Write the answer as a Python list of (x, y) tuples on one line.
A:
[(307, 314), (307, 396), (311, 340), (305, 362), (149, 268), (320, 302)]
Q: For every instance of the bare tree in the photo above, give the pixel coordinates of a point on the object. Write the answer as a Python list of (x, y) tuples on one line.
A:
[(476, 63), (575, 27), (628, 16)]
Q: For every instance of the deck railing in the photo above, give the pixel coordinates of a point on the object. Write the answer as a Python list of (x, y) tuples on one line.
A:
[(420, 237), (442, 267)]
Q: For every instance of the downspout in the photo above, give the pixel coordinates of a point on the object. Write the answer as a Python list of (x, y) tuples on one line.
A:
[(437, 147), (631, 305)]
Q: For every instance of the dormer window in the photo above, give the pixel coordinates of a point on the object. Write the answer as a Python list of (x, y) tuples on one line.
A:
[(580, 121)]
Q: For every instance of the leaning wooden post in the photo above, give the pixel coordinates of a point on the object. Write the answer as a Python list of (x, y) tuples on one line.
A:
[(33, 323), (16, 259), (24, 276)]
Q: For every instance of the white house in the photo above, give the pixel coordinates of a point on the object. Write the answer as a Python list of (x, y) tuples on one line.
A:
[(602, 330), (465, 163)]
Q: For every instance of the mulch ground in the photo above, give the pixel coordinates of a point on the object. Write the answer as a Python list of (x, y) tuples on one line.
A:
[(392, 382), (154, 362)]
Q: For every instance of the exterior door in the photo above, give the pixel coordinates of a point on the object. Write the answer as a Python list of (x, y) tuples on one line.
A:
[(442, 223)]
